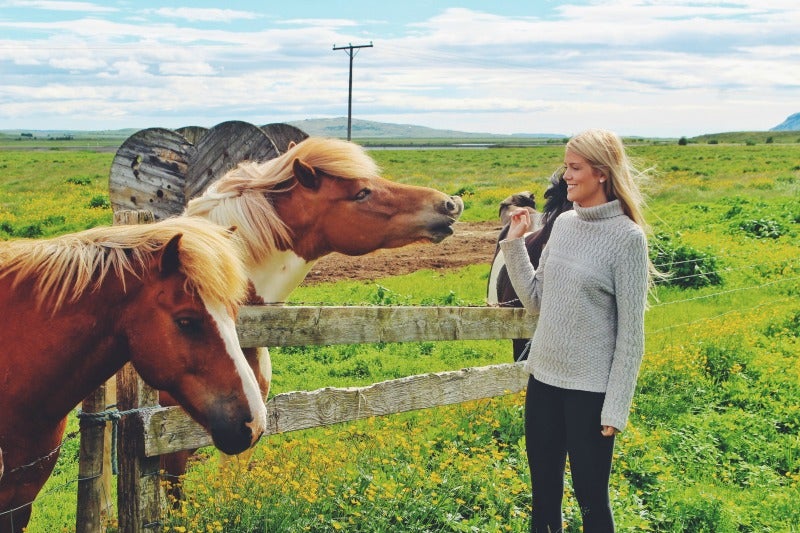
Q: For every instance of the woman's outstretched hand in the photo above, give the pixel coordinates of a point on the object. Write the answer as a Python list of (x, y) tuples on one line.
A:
[(520, 222)]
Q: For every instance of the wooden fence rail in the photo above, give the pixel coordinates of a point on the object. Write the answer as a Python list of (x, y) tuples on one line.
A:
[(155, 430), (169, 429)]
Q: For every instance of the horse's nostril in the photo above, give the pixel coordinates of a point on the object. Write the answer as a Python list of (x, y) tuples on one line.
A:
[(453, 205)]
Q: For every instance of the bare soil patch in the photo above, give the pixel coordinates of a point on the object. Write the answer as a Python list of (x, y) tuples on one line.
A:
[(472, 243)]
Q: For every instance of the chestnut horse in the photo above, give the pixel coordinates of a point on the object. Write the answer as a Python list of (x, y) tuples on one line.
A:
[(323, 195), (76, 308), (500, 291)]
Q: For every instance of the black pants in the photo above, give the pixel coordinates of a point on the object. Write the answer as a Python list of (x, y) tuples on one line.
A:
[(561, 423)]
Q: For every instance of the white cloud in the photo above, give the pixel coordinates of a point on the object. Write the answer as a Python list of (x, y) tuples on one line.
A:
[(193, 68), (193, 14), (57, 5), (76, 63), (682, 62)]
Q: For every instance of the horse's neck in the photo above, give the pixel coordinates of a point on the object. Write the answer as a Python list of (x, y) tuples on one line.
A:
[(278, 275), (58, 358)]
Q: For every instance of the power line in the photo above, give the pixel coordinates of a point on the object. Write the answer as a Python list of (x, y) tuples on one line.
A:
[(352, 50)]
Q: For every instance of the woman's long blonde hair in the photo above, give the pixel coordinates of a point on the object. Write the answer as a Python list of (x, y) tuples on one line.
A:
[(605, 151)]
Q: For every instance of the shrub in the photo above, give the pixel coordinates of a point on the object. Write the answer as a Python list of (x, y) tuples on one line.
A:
[(31, 231), (700, 511), (80, 181), (789, 327), (725, 357), (762, 228), (683, 265), (100, 201)]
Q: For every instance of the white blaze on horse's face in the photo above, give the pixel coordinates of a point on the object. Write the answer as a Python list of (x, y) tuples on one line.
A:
[(227, 330)]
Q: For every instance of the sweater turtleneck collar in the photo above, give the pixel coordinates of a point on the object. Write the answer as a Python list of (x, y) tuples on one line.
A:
[(599, 212)]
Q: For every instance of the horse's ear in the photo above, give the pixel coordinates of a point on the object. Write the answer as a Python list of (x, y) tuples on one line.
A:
[(169, 262), (305, 174), (291, 145)]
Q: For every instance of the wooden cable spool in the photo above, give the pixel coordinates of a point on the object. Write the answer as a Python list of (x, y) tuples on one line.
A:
[(222, 148), (149, 172), (160, 170)]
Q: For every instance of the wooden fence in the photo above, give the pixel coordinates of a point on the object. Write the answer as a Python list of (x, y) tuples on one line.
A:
[(152, 430)]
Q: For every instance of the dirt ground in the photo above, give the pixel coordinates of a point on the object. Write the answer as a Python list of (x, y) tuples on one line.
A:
[(472, 243)]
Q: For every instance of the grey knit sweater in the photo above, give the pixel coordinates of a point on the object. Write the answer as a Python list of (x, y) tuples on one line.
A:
[(590, 291)]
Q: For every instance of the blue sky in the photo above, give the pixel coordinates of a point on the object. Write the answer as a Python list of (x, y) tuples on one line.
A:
[(639, 67)]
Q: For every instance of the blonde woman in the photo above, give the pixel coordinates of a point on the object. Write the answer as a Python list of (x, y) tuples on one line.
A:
[(590, 292)]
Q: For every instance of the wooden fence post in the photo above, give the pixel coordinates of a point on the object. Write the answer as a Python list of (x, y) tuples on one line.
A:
[(138, 482), (94, 463), (94, 478)]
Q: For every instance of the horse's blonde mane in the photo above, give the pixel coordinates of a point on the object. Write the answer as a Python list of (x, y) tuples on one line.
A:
[(241, 197), (66, 267)]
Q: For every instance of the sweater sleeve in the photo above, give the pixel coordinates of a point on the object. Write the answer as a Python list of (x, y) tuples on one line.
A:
[(526, 281), (630, 281)]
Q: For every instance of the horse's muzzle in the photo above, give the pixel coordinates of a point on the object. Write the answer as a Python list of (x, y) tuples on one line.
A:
[(440, 229), (453, 207), (232, 434)]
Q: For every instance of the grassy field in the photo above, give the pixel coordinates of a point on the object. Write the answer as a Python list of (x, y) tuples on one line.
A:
[(714, 438)]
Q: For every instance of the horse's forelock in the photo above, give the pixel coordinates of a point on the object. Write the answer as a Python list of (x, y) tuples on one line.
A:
[(213, 264)]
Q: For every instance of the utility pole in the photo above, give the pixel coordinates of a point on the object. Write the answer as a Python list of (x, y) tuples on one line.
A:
[(351, 51)]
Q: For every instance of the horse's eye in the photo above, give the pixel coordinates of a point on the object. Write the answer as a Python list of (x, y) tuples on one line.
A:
[(188, 325), (362, 194)]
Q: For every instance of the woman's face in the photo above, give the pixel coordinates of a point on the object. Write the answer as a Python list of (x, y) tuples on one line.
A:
[(584, 183)]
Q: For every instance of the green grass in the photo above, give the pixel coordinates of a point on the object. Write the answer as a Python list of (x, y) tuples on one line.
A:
[(48, 193), (713, 440)]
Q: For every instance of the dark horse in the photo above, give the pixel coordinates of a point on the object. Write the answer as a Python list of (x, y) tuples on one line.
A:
[(500, 291)]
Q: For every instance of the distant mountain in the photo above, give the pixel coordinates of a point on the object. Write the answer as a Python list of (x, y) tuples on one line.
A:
[(337, 127), (319, 127), (790, 124)]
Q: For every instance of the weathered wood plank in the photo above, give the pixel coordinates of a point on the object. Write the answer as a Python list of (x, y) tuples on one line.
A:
[(223, 147), (138, 488), (170, 429), (283, 134), (149, 172), (192, 133), (94, 494), (303, 326)]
